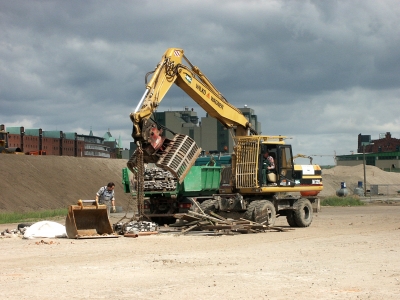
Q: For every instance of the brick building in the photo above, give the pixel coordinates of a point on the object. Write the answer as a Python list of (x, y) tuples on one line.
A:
[(385, 143), (383, 152), (38, 141)]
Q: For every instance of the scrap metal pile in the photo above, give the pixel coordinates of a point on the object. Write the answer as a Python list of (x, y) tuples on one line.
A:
[(157, 179), (13, 233), (217, 224), (136, 228)]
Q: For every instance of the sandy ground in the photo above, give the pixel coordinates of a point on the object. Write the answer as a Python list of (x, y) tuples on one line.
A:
[(347, 253)]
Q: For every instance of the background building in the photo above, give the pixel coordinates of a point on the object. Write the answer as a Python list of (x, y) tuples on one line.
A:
[(37, 141), (208, 133), (93, 146), (41, 142), (114, 146), (383, 152)]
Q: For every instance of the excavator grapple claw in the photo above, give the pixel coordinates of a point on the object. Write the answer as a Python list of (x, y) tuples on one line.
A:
[(177, 156)]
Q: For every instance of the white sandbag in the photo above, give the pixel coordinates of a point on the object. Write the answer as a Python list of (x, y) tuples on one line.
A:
[(45, 229)]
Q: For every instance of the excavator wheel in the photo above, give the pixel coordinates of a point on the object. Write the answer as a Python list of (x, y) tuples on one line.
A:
[(208, 206), (249, 213), (290, 219), (261, 211), (303, 213), (265, 211)]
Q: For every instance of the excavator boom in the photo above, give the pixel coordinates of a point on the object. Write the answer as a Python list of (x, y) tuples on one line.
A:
[(190, 79), (154, 146)]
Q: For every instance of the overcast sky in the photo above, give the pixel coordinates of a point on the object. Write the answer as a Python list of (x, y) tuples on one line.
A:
[(320, 72)]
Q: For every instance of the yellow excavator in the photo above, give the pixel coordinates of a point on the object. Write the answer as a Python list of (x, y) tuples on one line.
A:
[(244, 190)]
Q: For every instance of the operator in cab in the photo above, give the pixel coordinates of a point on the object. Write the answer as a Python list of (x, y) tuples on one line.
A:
[(268, 168)]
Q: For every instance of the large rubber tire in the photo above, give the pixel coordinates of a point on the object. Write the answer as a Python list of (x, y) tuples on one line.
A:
[(260, 211), (290, 219), (249, 213), (207, 206), (303, 213), (265, 211)]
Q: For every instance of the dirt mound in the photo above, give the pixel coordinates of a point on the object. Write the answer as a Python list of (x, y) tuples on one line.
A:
[(29, 183), (332, 179)]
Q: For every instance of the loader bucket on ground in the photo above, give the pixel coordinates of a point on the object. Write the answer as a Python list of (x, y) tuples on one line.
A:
[(89, 221)]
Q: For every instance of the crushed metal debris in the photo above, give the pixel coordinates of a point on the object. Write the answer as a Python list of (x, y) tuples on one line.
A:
[(15, 232), (136, 228)]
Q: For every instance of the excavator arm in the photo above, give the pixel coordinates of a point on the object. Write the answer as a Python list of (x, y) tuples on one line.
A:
[(190, 79), (179, 154)]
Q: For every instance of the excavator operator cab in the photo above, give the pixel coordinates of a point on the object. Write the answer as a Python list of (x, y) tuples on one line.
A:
[(267, 176), (283, 173), (285, 165)]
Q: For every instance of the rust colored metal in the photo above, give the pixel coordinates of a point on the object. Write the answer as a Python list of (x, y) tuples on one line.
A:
[(132, 235), (88, 221), (141, 233), (147, 233)]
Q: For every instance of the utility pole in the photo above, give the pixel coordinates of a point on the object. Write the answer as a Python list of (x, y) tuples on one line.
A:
[(365, 176)]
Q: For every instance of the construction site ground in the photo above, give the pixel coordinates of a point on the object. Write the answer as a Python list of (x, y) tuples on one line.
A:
[(346, 253)]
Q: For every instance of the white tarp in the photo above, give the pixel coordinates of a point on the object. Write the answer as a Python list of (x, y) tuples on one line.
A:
[(45, 229)]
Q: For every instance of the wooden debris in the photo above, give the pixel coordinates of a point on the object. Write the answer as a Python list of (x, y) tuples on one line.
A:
[(222, 218), (190, 228), (186, 217), (205, 216), (218, 224)]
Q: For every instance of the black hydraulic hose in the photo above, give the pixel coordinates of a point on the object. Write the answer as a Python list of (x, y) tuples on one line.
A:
[(290, 180), (253, 132), (162, 126), (147, 75)]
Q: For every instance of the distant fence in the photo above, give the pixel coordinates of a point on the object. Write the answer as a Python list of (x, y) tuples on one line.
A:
[(395, 170), (384, 189), (378, 190)]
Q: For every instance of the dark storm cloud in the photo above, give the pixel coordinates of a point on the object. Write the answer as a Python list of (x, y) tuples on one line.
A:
[(307, 67)]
